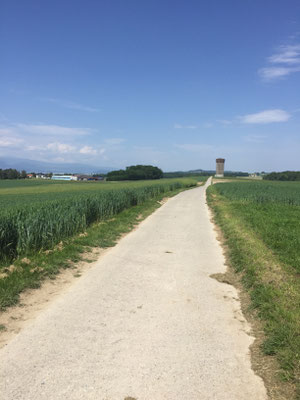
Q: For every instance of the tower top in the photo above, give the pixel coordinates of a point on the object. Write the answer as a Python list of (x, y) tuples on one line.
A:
[(220, 160)]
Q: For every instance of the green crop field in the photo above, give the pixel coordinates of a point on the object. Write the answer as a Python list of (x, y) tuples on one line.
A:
[(261, 226), (262, 191), (49, 225), (17, 193), (36, 214), (273, 212)]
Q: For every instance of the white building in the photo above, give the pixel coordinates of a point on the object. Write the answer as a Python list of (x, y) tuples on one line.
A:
[(64, 177)]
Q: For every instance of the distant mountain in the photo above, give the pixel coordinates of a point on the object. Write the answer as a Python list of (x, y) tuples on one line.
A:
[(41, 166)]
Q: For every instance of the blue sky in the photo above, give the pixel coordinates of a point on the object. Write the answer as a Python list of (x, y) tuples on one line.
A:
[(170, 83)]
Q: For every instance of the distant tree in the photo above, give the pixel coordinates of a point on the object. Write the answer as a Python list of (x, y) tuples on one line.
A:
[(181, 174), (9, 173), (12, 173), (23, 174), (232, 173), (135, 172), (283, 176)]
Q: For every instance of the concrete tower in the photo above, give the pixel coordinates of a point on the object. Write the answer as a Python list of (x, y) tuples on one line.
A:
[(220, 167)]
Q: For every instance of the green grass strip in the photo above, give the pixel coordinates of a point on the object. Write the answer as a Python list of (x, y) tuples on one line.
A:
[(270, 276)]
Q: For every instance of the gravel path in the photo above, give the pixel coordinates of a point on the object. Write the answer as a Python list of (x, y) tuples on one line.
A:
[(146, 322)]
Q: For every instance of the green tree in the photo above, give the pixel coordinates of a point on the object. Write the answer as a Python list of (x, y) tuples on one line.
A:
[(135, 172)]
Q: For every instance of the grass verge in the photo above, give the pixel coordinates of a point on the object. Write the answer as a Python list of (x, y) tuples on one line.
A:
[(273, 288), (29, 272)]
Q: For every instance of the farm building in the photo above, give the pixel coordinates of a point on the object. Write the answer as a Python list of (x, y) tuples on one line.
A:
[(64, 177), (89, 178), (42, 176)]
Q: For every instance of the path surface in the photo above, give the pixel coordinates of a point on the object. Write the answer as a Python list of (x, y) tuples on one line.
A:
[(146, 322)]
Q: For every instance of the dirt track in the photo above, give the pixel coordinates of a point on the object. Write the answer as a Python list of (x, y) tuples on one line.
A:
[(147, 322)]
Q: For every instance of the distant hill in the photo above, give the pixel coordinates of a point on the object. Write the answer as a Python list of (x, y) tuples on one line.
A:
[(40, 166)]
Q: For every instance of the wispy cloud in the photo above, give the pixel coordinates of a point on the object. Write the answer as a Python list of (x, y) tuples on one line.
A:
[(286, 55), (9, 138), (61, 147), (114, 141), (193, 147), (179, 126), (272, 73), (144, 148), (71, 105), (52, 130), (10, 142), (65, 148), (6, 131), (282, 63), (224, 121), (34, 147), (266, 117), (88, 150), (255, 138), (47, 142)]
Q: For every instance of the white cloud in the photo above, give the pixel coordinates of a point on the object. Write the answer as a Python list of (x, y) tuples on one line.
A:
[(71, 105), (87, 150), (287, 55), (283, 63), (193, 147), (45, 142), (271, 73), (266, 117), (9, 138), (208, 125), (53, 130), (61, 147), (10, 141), (179, 126)]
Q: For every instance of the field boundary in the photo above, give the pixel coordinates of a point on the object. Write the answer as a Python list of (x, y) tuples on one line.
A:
[(252, 267)]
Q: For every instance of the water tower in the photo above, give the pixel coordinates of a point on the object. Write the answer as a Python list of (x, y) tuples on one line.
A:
[(220, 167)]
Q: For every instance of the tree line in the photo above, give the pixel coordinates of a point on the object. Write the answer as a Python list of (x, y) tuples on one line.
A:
[(182, 174), (283, 176), (11, 173), (134, 173)]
